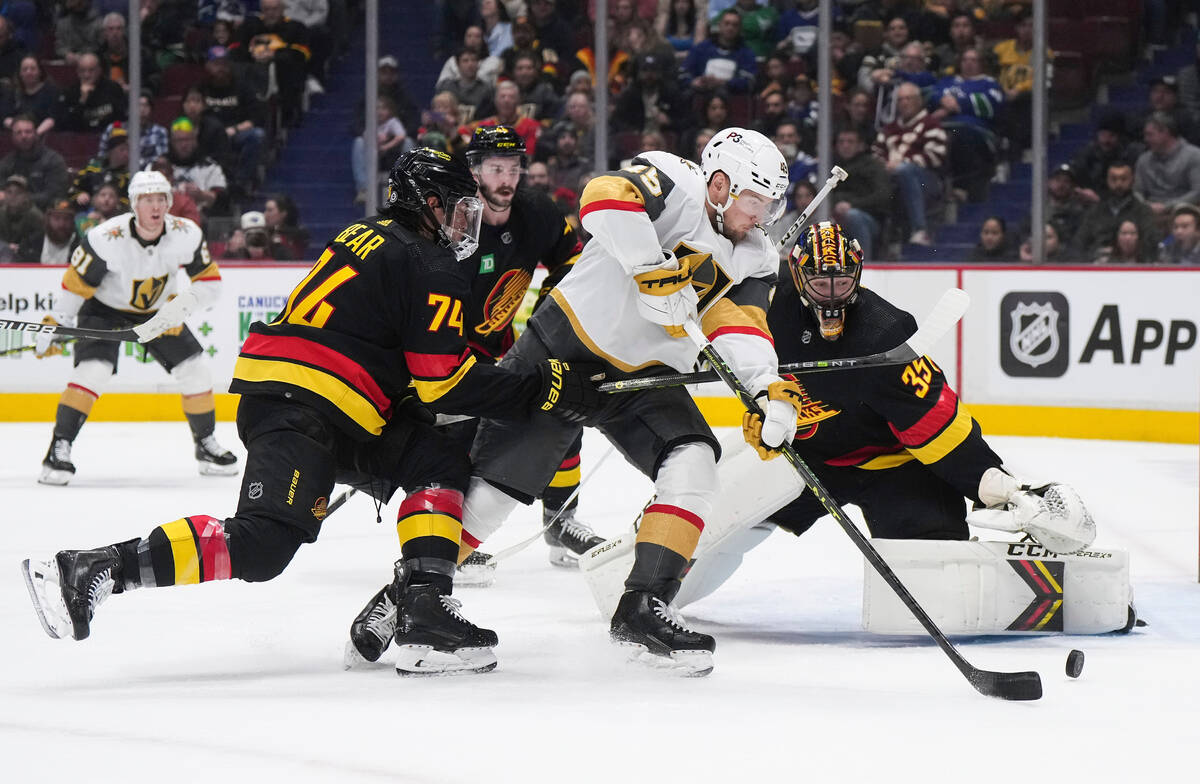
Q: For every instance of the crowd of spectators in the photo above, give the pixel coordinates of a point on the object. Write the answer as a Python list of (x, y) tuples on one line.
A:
[(932, 104), (222, 81)]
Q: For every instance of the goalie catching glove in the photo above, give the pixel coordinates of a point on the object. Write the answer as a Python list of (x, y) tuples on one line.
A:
[(48, 344), (766, 434), (665, 293), (1053, 513), (568, 389)]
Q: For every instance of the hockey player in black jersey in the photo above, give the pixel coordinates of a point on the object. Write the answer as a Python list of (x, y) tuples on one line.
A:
[(520, 229), (895, 441), (323, 399)]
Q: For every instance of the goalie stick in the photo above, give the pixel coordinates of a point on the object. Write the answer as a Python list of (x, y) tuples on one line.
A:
[(1005, 685), (946, 313)]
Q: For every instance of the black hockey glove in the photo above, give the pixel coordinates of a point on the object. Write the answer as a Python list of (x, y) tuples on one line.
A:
[(568, 389)]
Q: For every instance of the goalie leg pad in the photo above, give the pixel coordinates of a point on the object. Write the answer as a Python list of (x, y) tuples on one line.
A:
[(999, 588)]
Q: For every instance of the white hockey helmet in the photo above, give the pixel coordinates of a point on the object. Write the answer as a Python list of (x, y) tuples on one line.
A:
[(752, 162), (147, 182)]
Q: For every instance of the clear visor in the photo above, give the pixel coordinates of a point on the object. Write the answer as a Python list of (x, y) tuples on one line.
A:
[(462, 226), (505, 168), (762, 209), (829, 290)]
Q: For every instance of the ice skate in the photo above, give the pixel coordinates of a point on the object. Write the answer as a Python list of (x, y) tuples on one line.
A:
[(652, 633), (568, 539), (214, 459), (67, 590), (57, 468), (477, 571), (434, 638), (372, 631)]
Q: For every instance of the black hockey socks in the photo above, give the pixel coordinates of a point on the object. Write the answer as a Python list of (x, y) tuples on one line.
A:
[(203, 424), (67, 422), (187, 551), (429, 525), (666, 541)]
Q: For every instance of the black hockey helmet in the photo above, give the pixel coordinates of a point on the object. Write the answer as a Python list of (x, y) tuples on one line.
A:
[(826, 266), (489, 141), (424, 172)]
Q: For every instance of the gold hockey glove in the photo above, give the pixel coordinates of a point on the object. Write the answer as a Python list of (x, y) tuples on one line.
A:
[(766, 436)]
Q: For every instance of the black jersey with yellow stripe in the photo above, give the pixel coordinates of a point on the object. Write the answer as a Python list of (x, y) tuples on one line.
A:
[(380, 316), (536, 232), (875, 419)]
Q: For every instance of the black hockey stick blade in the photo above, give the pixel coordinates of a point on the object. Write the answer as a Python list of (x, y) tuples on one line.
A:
[(36, 327), (1016, 686), (945, 314)]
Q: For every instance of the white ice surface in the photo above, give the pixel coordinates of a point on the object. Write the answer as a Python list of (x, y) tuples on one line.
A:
[(238, 682)]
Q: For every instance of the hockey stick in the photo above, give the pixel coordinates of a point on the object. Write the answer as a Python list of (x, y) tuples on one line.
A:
[(512, 550), (338, 502), (836, 175), (19, 349), (1005, 685), (946, 313), (37, 327)]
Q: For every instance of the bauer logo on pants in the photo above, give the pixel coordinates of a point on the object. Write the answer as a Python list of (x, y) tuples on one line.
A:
[(1034, 333)]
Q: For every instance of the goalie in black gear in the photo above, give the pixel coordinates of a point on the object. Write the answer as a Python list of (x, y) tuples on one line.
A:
[(323, 399), (896, 442)]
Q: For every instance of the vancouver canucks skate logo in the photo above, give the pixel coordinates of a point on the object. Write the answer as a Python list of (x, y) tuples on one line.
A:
[(811, 414), (1034, 334)]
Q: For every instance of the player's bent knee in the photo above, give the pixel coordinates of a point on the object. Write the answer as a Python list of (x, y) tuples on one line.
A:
[(193, 375), (687, 478), (484, 510), (260, 549), (93, 375)]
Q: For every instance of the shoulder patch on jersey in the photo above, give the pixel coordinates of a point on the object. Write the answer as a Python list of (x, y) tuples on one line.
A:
[(651, 183), (115, 233)]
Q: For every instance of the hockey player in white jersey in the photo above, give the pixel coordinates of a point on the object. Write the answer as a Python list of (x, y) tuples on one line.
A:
[(671, 242), (121, 276)]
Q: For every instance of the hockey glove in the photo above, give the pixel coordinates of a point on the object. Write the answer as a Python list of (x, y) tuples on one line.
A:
[(665, 294), (767, 435), (169, 317), (48, 344), (568, 389), (1053, 513)]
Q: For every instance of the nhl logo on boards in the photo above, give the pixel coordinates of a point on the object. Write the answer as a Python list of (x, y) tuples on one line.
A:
[(1034, 334), (255, 491)]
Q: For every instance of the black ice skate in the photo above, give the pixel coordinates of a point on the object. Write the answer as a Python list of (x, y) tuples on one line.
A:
[(435, 639), (569, 539), (57, 468), (652, 633), (372, 630), (67, 590), (214, 459), (478, 570)]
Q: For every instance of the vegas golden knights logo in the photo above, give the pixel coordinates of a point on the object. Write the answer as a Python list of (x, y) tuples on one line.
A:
[(708, 279), (146, 292)]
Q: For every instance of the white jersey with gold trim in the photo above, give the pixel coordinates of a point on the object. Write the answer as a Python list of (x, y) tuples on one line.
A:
[(120, 270), (657, 204)]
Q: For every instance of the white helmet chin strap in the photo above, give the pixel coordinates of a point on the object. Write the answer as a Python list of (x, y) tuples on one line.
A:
[(719, 209)]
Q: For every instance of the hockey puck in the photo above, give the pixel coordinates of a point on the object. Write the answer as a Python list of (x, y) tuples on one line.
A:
[(1074, 663)]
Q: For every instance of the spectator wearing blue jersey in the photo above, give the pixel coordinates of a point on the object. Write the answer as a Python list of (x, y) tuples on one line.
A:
[(722, 61), (967, 105)]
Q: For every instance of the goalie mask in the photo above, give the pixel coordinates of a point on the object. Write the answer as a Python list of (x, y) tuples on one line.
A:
[(423, 173), (826, 267)]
